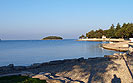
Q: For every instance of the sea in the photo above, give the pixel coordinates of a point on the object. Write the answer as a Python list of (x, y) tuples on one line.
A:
[(27, 52)]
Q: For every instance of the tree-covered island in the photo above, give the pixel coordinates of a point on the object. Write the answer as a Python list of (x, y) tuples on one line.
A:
[(52, 38), (124, 31)]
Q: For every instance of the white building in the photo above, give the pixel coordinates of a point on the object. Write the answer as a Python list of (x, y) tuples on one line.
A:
[(103, 37), (131, 39)]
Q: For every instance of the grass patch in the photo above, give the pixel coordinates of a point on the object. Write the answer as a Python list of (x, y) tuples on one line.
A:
[(20, 79)]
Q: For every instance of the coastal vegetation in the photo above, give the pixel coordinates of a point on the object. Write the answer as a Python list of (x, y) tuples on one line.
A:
[(20, 79), (52, 38), (118, 31)]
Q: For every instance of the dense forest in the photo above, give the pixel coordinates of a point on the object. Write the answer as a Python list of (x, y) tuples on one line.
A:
[(118, 31)]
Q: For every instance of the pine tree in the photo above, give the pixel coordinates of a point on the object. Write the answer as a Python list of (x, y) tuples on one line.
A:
[(118, 27)]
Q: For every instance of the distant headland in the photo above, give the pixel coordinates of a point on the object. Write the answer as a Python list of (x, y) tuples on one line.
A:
[(52, 38)]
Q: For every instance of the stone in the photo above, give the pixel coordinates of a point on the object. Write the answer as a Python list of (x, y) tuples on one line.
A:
[(124, 54), (47, 73), (116, 54), (20, 68), (35, 65), (56, 62), (41, 73), (130, 50), (111, 56), (81, 59), (25, 73), (53, 81), (10, 65), (125, 45), (121, 54)]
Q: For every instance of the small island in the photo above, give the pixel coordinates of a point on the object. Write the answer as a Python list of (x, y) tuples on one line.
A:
[(52, 38)]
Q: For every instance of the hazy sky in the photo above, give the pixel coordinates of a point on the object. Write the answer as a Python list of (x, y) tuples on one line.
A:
[(35, 19)]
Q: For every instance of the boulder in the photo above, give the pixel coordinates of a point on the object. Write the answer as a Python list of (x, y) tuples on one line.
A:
[(35, 65), (10, 66), (81, 59), (56, 62), (111, 56), (20, 68), (116, 54), (26, 73)]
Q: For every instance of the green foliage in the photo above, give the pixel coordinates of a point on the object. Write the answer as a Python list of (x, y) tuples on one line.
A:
[(20, 79), (32, 80), (52, 38), (82, 36), (118, 27), (124, 31)]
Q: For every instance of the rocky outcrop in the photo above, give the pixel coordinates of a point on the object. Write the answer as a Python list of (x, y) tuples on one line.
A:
[(114, 56), (11, 69), (119, 46), (111, 56), (131, 48)]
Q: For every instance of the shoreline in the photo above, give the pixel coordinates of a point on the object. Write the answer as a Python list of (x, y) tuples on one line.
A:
[(117, 49), (78, 70), (119, 46), (102, 39), (11, 68)]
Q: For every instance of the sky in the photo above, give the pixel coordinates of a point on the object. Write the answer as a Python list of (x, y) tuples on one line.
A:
[(35, 19)]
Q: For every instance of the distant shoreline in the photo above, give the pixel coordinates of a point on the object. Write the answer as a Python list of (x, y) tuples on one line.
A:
[(100, 39), (120, 45)]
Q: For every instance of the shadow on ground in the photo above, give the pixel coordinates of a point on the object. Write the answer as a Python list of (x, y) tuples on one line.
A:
[(116, 79), (81, 70)]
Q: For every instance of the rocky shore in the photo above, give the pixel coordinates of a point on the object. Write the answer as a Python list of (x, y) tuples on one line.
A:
[(117, 67), (118, 46)]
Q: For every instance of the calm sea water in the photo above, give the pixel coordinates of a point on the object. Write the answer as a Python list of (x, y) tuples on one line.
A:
[(27, 52)]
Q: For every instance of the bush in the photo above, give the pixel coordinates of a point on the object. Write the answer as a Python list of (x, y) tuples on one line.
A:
[(20, 79)]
